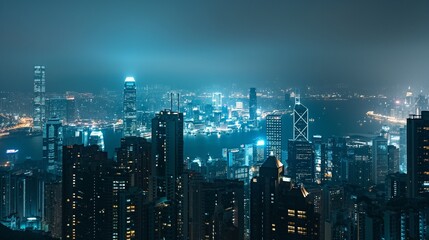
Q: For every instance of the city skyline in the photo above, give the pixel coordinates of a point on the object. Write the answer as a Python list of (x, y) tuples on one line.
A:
[(214, 120)]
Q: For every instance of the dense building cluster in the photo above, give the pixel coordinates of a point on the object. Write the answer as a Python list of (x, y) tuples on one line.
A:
[(280, 186)]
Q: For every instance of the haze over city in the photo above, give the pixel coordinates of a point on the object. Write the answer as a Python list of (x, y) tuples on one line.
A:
[(86, 46), (214, 120)]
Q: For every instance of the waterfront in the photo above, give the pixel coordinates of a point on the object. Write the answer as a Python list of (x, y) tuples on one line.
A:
[(341, 117)]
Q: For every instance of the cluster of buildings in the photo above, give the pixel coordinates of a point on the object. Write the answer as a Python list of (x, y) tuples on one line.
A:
[(300, 187)]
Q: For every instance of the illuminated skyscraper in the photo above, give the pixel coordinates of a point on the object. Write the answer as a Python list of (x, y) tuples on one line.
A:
[(167, 168), (280, 210), (300, 121), (86, 193), (53, 145), (252, 104), (274, 135), (418, 154), (96, 138), (217, 101), (301, 161), (71, 115), (379, 160), (264, 190), (39, 98), (130, 111), (134, 157)]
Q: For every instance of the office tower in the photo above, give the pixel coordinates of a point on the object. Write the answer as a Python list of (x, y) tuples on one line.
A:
[(300, 121), (96, 138), (22, 199), (87, 193), (263, 199), (252, 104), (301, 161), (259, 151), (406, 219), (274, 135), (53, 146), (403, 149), (418, 154), (56, 107), (167, 167), (71, 114), (296, 217), (217, 101), (131, 215), (392, 159), (39, 98), (214, 210), (130, 111), (379, 159), (278, 209), (332, 212), (360, 167), (396, 185), (53, 208), (133, 156), (319, 159), (336, 151), (409, 99)]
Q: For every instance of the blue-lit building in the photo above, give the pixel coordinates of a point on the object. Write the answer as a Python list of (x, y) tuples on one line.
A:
[(252, 104), (130, 110), (274, 135), (53, 146), (39, 98)]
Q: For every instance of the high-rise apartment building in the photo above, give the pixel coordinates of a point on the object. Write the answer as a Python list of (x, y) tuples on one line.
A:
[(214, 210), (278, 209), (130, 110), (418, 154), (39, 98), (263, 197), (166, 191), (133, 156), (87, 193)]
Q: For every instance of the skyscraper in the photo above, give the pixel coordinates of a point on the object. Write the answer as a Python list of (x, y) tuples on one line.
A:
[(379, 160), (214, 210), (418, 154), (274, 135), (53, 146), (130, 111), (96, 138), (39, 98), (167, 167), (217, 101), (263, 190), (300, 121), (71, 115), (87, 193), (134, 157), (301, 166), (252, 104), (278, 209)]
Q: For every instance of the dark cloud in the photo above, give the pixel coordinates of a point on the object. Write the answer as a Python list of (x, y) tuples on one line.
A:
[(87, 45)]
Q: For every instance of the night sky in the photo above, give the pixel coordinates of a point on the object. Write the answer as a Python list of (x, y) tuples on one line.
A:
[(89, 45)]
